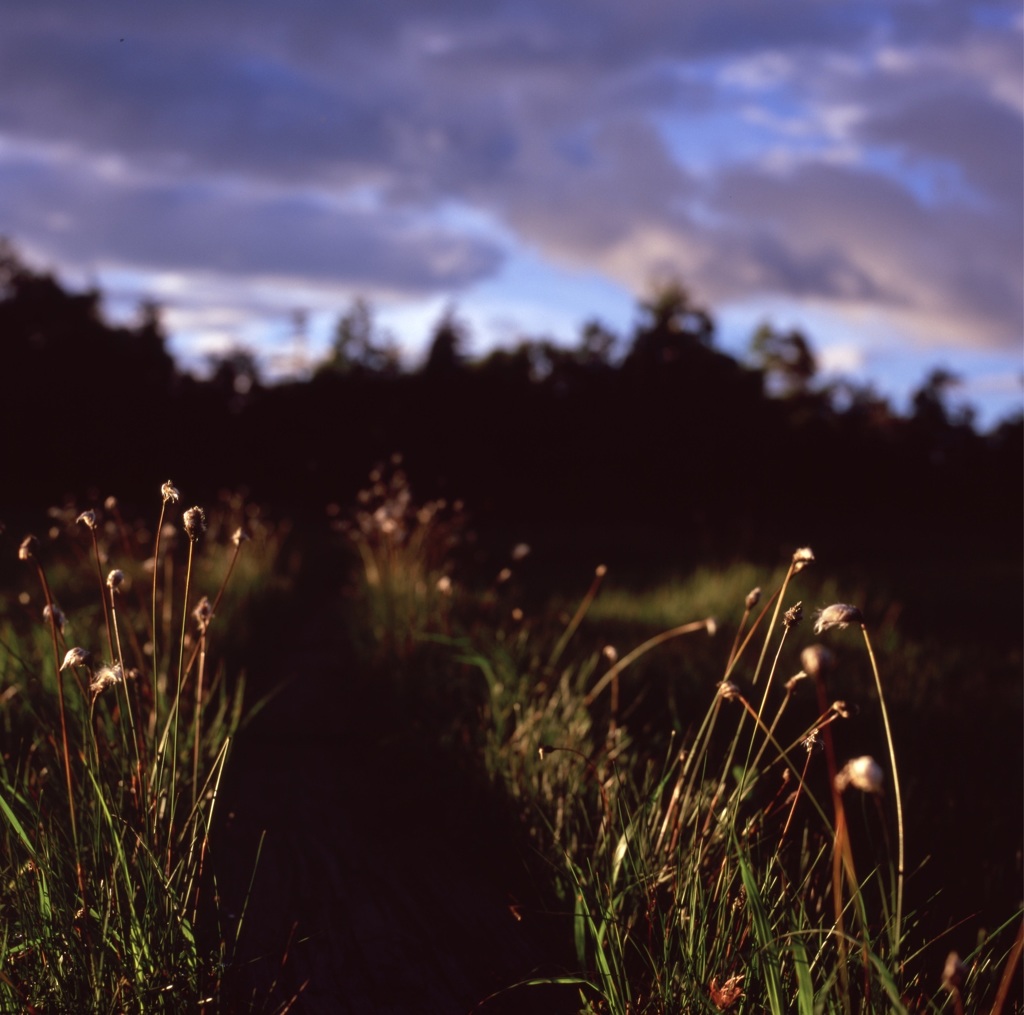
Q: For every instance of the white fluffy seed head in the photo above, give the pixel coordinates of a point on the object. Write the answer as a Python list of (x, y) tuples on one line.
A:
[(802, 557), (839, 615), (816, 659), (106, 676), (75, 657), (862, 773)]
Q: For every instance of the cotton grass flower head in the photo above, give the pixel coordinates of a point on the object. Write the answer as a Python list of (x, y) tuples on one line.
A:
[(106, 676), (790, 684), (954, 972), (816, 659), (88, 519), (728, 690), (753, 598), (839, 615), (203, 613), (793, 615), (802, 557), (74, 657), (115, 580), (239, 536), (29, 548), (520, 551), (862, 773), (57, 614), (194, 521), (170, 493)]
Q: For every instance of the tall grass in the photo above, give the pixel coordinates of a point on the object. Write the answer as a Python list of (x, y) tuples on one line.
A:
[(748, 858), (116, 729)]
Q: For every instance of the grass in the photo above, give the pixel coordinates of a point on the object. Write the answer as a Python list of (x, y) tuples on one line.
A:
[(744, 854), (713, 798), (116, 729)]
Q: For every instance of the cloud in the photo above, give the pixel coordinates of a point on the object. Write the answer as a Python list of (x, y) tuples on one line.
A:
[(845, 234), (100, 216), (858, 155)]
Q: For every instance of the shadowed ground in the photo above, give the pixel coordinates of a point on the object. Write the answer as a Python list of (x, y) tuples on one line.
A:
[(386, 873)]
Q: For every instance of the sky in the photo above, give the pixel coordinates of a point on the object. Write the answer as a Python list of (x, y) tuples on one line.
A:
[(852, 168)]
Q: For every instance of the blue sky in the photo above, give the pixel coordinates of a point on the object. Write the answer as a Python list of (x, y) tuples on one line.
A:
[(851, 167)]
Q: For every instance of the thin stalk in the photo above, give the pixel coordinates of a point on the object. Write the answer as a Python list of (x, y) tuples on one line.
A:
[(63, 727), (239, 539), (127, 693), (796, 799), (218, 771), (580, 613), (747, 765), (626, 660), (679, 803), (735, 650), (103, 597), (799, 561), (198, 714), (175, 707), (840, 845), (792, 570), (735, 656), (154, 720), (900, 869)]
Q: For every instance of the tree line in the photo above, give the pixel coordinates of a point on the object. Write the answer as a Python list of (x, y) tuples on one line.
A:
[(659, 440)]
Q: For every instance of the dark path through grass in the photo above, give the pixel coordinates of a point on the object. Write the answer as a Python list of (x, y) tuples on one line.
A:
[(387, 872)]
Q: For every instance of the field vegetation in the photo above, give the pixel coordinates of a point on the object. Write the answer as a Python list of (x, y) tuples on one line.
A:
[(717, 806), (117, 724), (707, 697)]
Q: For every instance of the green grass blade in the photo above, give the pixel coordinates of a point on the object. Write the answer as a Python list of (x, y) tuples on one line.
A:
[(804, 983), (16, 825), (769, 965)]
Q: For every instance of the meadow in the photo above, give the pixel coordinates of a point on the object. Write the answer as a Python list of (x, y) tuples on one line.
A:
[(744, 787)]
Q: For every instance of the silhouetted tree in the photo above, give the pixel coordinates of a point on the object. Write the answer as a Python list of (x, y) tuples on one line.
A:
[(785, 358), (235, 376), (446, 346), (357, 346), (929, 400), (92, 396), (597, 344), (670, 326)]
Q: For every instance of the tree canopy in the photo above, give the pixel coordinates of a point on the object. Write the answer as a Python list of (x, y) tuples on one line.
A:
[(659, 429)]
